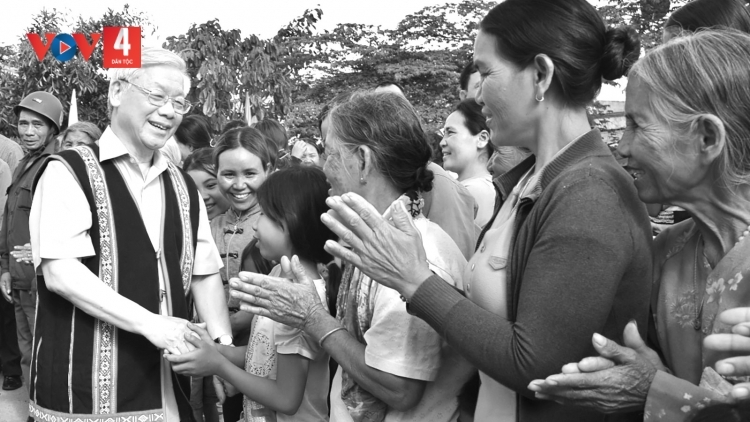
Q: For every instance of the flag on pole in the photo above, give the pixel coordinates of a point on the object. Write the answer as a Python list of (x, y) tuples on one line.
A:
[(73, 115)]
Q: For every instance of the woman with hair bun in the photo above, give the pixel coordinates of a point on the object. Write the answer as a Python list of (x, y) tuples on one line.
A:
[(567, 252), (392, 365)]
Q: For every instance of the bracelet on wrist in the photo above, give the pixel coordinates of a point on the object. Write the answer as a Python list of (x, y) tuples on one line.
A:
[(328, 334)]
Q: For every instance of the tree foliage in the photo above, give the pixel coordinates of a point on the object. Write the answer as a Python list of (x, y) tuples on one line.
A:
[(424, 53), (227, 69), (291, 75), (647, 16)]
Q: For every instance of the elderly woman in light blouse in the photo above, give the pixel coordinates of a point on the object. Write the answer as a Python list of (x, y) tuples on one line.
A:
[(392, 365), (687, 143)]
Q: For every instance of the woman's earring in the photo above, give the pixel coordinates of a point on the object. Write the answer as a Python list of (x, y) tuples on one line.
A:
[(536, 97), (362, 180)]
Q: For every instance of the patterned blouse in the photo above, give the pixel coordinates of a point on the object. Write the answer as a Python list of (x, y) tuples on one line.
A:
[(687, 297)]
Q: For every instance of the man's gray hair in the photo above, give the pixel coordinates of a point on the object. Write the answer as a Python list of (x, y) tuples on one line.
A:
[(150, 56), (707, 72)]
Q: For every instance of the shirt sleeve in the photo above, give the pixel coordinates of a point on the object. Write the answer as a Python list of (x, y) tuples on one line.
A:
[(399, 343), (293, 341), (60, 217), (207, 259)]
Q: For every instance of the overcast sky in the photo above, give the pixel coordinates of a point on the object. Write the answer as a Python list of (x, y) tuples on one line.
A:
[(263, 18)]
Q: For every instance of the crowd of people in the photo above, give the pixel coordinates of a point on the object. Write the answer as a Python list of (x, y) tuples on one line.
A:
[(502, 269)]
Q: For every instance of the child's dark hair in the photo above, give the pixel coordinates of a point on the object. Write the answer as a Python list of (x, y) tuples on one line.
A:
[(297, 196), (201, 159), (250, 139)]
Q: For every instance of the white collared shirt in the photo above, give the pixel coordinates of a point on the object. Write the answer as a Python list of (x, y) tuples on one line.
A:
[(60, 217)]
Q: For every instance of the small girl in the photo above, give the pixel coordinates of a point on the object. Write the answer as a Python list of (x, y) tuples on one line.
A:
[(286, 372)]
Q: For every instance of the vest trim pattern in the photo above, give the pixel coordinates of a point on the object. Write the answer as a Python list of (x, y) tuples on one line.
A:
[(104, 369), (186, 258), (41, 414)]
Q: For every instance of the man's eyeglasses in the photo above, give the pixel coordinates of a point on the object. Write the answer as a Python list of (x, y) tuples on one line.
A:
[(158, 98)]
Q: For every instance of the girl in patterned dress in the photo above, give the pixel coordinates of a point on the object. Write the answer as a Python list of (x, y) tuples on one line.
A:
[(285, 373)]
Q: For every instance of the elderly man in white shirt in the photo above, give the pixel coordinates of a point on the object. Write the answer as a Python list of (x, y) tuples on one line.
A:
[(122, 239)]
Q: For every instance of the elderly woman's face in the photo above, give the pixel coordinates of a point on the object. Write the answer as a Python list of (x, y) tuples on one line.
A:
[(661, 161), (341, 167)]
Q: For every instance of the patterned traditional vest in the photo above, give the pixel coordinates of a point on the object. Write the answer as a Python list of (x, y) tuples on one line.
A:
[(84, 368)]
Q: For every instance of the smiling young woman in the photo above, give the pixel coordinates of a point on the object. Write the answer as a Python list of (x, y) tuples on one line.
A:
[(466, 149)]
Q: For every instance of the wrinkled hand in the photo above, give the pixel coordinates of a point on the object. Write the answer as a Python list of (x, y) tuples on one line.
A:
[(389, 251), (294, 302), (204, 360), (616, 381), (23, 254), (738, 342), (168, 333), (5, 286)]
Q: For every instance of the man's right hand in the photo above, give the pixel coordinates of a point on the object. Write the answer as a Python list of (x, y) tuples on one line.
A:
[(168, 333), (5, 286)]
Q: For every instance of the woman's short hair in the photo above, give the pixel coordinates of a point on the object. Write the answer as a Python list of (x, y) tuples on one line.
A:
[(201, 159), (711, 13), (387, 124), (297, 197), (475, 121), (704, 73), (249, 139), (572, 34), (194, 131), (273, 131), (87, 128)]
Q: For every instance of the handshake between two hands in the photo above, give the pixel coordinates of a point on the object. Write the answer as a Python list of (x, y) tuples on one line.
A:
[(191, 351)]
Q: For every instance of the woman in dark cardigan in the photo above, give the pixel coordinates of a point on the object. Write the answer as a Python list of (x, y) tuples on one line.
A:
[(567, 251)]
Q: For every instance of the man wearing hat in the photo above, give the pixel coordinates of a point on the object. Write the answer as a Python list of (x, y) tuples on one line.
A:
[(40, 115)]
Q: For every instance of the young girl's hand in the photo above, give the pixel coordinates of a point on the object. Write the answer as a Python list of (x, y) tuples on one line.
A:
[(205, 360)]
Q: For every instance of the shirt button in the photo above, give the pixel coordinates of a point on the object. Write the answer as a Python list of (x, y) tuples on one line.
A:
[(468, 287), (472, 267), (483, 248)]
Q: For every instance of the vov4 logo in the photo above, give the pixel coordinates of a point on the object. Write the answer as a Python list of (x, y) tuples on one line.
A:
[(121, 46)]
